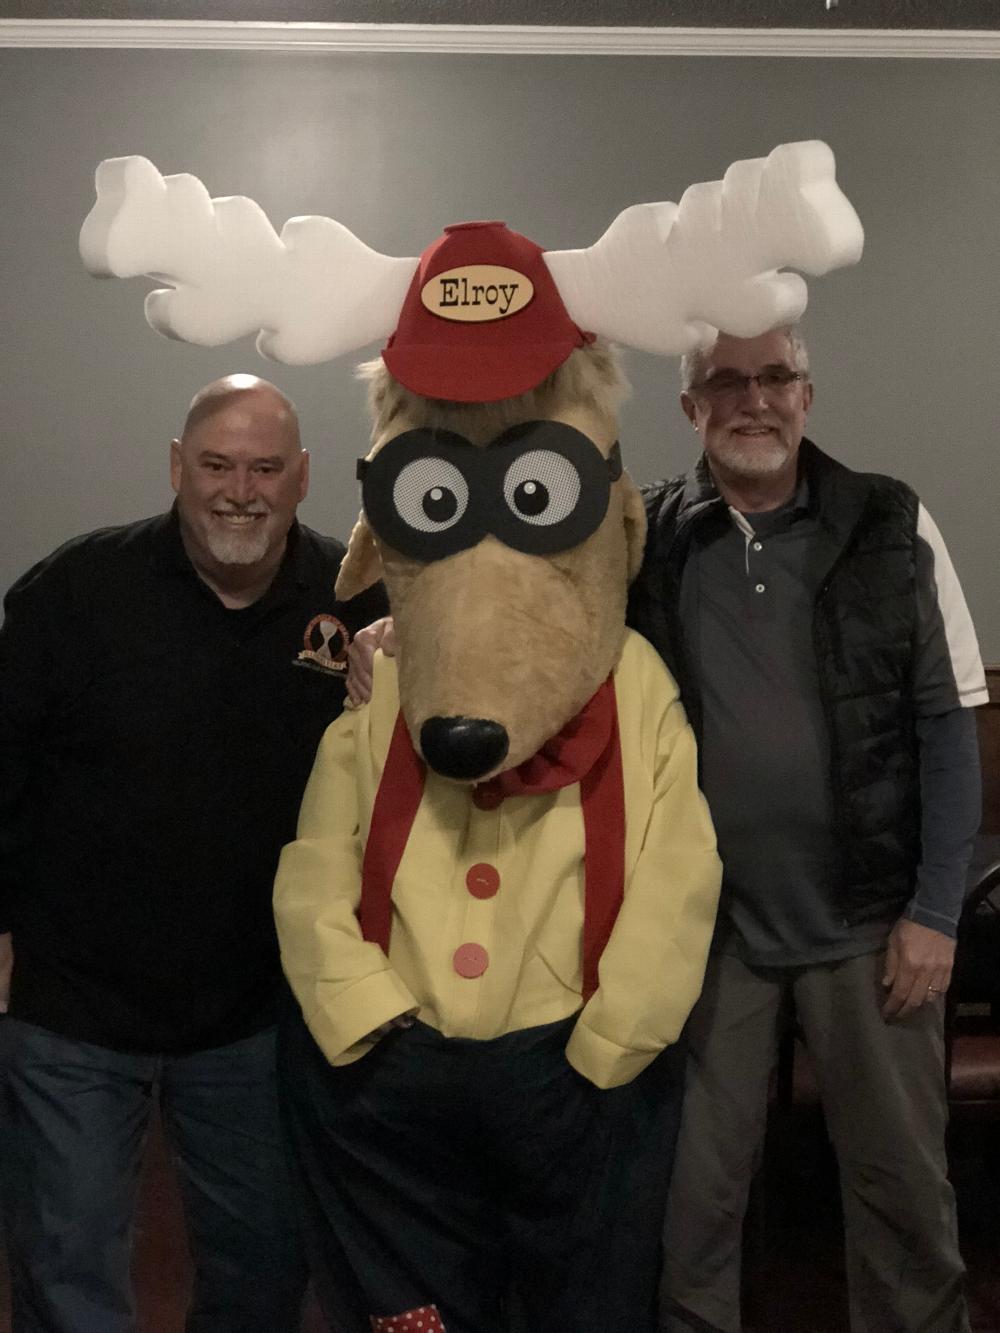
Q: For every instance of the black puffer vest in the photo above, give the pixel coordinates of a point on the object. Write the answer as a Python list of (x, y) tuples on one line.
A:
[(864, 625)]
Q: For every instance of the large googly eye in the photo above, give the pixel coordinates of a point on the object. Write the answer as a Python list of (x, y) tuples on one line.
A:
[(430, 494), (541, 487)]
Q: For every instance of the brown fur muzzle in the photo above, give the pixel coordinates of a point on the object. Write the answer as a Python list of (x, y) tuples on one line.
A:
[(498, 650)]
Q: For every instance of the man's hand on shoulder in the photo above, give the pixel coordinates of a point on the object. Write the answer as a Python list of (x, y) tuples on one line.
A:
[(361, 653), (918, 963), (6, 967)]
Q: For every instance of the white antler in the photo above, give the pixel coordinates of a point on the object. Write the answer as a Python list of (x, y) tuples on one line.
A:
[(314, 292), (667, 277)]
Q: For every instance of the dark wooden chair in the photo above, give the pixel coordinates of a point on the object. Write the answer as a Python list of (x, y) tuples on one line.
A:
[(973, 1004)]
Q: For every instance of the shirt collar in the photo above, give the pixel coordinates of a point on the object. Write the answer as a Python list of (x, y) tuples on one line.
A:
[(168, 554), (773, 520)]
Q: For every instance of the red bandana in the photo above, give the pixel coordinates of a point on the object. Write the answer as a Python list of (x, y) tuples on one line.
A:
[(587, 750)]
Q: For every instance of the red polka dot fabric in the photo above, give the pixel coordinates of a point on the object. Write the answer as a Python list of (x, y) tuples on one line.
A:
[(425, 1319)]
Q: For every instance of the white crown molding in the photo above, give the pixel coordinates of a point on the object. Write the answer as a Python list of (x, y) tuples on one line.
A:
[(497, 39)]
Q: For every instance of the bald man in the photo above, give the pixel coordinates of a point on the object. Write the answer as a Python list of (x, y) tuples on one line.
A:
[(163, 688)]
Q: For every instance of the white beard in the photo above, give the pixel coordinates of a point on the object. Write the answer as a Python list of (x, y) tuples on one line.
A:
[(239, 547), (754, 457)]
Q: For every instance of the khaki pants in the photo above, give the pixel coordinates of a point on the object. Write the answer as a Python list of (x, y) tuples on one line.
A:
[(883, 1094)]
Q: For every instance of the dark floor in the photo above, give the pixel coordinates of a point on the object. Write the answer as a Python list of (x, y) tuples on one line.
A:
[(795, 1264)]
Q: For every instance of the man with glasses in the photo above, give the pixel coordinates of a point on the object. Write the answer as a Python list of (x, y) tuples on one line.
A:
[(825, 654)]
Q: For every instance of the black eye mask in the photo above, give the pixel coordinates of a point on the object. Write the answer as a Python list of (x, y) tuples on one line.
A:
[(539, 487)]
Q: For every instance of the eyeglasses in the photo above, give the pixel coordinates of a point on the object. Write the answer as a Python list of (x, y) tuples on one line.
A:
[(540, 487), (773, 382)]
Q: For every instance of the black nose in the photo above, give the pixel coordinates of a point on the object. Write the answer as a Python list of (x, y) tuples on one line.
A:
[(462, 747)]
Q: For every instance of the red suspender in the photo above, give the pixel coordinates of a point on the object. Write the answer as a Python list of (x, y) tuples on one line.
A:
[(396, 803), (602, 794)]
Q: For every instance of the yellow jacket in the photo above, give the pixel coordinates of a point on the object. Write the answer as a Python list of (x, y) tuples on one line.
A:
[(651, 970)]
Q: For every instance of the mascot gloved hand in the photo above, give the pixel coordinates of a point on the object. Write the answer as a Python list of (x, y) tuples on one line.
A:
[(497, 912)]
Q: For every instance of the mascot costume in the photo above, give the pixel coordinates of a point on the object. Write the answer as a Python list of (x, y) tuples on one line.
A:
[(498, 909)]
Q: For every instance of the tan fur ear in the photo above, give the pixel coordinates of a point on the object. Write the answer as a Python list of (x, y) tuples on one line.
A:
[(362, 565), (634, 515)]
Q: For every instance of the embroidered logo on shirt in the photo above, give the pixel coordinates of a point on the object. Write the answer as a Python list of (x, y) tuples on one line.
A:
[(324, 645)]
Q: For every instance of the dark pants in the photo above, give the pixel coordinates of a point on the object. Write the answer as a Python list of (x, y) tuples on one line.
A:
[(74, 1119), (486, 1178)]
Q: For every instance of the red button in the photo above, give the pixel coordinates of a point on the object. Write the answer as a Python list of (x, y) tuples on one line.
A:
[(483, 880), (486, 798), (470, 960)]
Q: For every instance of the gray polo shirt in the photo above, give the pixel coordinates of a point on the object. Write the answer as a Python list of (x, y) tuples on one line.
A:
[(747, 601)]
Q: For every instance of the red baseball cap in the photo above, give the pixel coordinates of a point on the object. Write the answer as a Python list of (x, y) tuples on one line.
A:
[(482, 320)]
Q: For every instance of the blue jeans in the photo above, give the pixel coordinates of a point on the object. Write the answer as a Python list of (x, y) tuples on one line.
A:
[(74, 1119)]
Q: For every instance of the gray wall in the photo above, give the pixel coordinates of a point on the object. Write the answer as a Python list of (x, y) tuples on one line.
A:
[(904, 346)]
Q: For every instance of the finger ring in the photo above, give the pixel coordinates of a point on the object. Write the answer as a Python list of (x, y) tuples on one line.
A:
[(933, 990)]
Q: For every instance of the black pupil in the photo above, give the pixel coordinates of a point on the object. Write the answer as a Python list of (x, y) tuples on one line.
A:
[(440, 504), (531, 497)]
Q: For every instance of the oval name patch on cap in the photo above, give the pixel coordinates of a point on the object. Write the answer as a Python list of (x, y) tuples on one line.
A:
[(476, 293)]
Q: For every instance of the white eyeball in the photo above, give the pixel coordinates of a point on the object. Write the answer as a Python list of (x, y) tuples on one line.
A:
[(541, 487), (430, 494)]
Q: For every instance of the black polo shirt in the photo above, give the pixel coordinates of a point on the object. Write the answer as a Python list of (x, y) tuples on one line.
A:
[(154, 746)]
